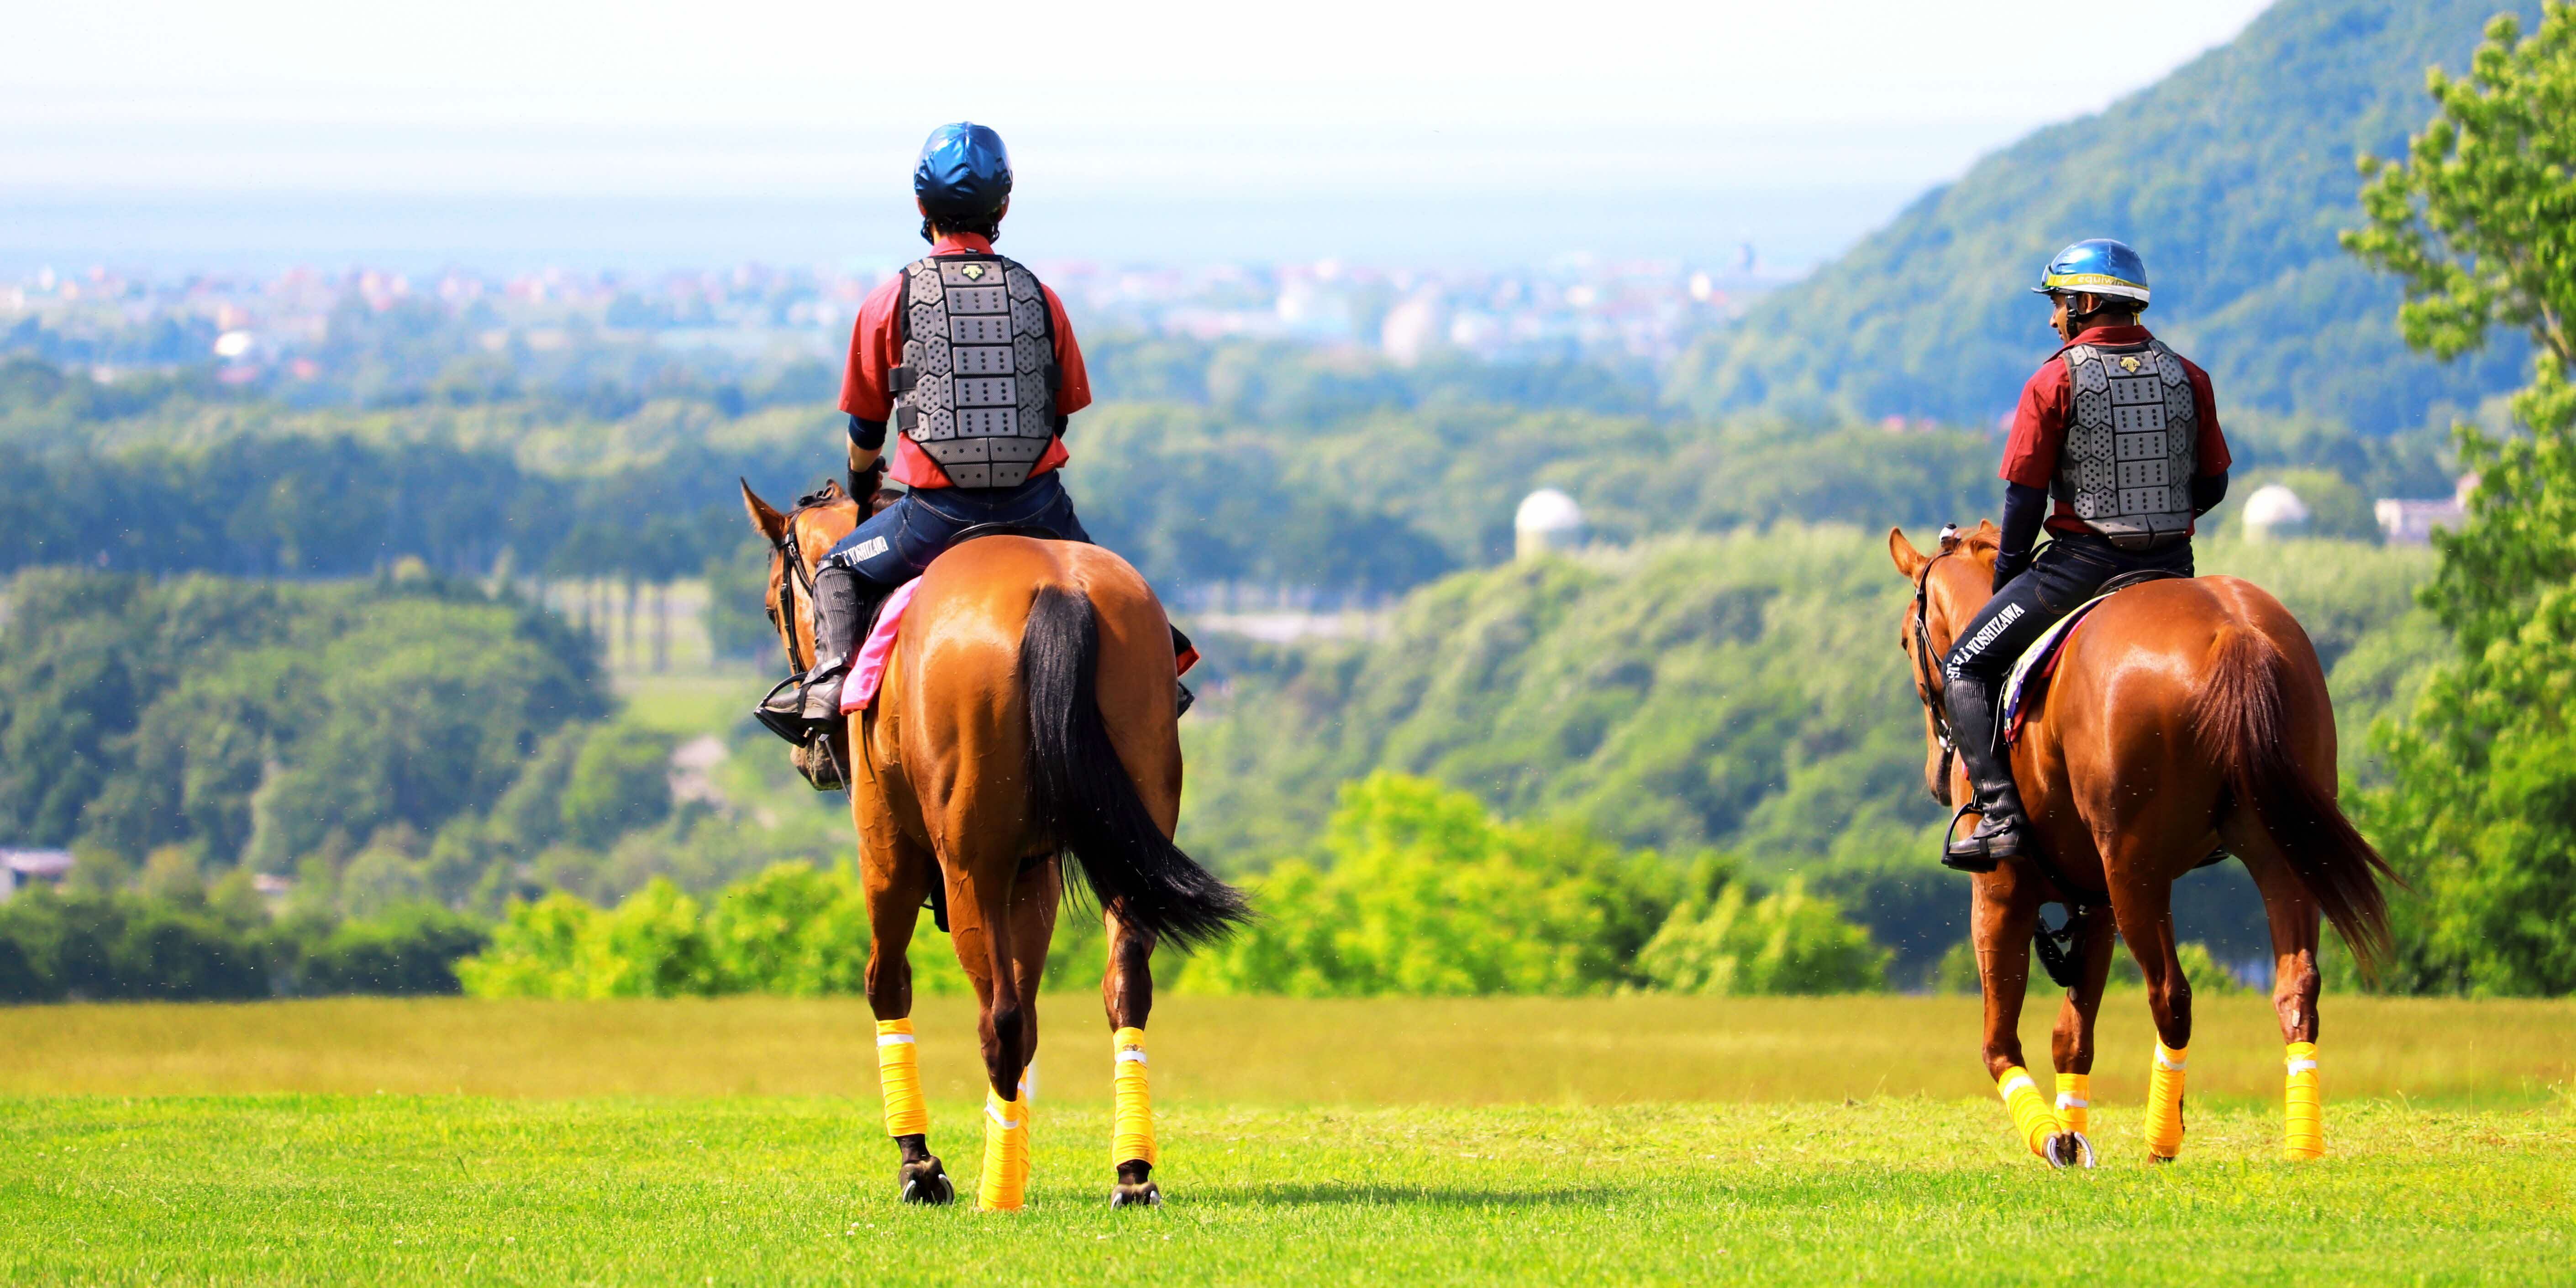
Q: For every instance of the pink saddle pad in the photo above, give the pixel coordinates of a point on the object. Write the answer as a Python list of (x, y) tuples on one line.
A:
[(869, 671)]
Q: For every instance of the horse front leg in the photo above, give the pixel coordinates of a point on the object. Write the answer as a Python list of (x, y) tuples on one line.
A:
[(2071, 1043), (895, 888), (1127, 994), (2005, 912)]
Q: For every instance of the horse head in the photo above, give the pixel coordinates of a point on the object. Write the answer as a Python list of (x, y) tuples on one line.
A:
[(1949, 587), (806, 534)]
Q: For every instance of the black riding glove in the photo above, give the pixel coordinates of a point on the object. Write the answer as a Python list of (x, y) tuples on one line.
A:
[(2207, 490), (2025, 508)]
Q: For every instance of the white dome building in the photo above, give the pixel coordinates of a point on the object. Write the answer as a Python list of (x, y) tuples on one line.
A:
[(2275, 511), (1548, 521)]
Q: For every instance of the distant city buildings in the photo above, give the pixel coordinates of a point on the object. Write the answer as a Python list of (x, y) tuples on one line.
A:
[(279, 330), (2410, 523)]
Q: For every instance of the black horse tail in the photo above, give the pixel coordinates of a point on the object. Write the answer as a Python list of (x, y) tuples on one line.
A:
[(2242, 722), (1080, 792)]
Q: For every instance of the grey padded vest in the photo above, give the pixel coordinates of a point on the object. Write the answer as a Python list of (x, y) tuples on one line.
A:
[(976, 391), (2132, 443)]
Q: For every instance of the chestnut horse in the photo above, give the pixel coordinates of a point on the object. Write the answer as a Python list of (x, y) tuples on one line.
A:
[(1028, 711), (2186, 714)]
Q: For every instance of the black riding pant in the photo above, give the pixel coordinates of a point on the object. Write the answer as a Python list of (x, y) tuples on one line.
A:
[(894, 545), (2068, 571)]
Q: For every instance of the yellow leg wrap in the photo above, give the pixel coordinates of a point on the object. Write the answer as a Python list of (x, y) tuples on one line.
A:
[(2075, 1102), (1131, 1126), (899, 1078), (2164, 1101), (1005, 1183), (2030, 1112), (2305, 1133)]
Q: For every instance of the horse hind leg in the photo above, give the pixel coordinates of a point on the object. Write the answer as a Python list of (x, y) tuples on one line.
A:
[(1127, 994), (2294, 918), (1004, 922), (2145, 913)]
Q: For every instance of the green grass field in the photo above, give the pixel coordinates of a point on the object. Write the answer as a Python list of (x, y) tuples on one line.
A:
[(1612, 1140)]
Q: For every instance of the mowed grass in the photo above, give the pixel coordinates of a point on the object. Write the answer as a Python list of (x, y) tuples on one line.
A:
[(1617, 1140), (1270, 1051)]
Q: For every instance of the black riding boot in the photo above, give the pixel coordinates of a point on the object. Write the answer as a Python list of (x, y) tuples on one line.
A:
[(2002, 829), (840, 611)]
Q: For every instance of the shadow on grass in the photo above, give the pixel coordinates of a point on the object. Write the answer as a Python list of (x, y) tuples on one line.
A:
[(1363, 1194)]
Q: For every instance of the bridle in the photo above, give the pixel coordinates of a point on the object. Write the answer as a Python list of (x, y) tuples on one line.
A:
[(792, 573), (1925, 689)]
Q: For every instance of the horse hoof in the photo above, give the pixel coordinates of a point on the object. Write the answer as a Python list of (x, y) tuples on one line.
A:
[(927, 1184), (1145, 1195), (2069, 1149)]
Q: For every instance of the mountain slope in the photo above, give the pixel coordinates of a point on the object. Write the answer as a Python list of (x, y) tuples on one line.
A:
[(2232, 177)]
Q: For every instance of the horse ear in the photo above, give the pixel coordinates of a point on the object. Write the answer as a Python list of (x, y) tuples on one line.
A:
[(1908, 559), (768, 520)]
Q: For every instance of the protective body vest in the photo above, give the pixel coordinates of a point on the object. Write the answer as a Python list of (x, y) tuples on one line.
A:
[(2132, 442), (976, 391)]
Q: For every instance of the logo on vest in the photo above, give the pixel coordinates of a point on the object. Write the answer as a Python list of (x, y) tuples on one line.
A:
[(973, 272), (2129, 365)]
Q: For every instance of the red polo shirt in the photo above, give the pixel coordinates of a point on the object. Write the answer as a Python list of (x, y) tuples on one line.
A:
[(876, 349), (2039, 425)]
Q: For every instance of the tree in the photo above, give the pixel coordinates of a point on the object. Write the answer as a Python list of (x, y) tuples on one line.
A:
[(2480, 815)]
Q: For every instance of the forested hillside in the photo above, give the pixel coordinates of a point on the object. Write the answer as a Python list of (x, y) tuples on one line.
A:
[(1742, 691), (2232, 177), (264, 723)]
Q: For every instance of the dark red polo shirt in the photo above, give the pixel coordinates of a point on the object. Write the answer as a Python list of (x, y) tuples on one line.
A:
[(2039, 425), (876, 349)]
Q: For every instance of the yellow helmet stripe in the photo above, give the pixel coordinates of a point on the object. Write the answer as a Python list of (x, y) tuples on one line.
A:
[(2087, 281)]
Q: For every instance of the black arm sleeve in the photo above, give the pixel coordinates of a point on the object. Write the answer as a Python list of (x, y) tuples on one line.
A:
[(869, 435), (2025, 508), (2207, 490)]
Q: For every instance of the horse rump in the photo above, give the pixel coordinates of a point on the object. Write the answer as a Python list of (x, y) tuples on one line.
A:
[(1080, 792), (2242, 721)]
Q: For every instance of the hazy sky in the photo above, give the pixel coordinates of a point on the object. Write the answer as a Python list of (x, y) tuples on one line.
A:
[(1190, 130)]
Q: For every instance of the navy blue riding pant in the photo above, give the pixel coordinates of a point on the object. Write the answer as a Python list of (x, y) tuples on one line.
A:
[(894, 545), (2068, 570)]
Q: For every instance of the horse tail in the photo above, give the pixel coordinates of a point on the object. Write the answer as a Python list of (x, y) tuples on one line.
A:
[(2241, 718), (1080, 792)]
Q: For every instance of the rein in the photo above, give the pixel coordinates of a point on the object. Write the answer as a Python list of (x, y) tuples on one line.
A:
[(1923, 676)]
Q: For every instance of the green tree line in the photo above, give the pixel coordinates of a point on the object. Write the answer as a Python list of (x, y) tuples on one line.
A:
[(2478, 220), (1418, 890)]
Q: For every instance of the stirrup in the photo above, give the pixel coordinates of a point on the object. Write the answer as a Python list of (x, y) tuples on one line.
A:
[(783, 713), (1973, 854)]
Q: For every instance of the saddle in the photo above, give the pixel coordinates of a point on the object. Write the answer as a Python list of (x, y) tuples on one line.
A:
[(2026, 685)]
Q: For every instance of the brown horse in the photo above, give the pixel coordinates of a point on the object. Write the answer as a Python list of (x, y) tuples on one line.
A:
[(2185, 715), (1029, 711)]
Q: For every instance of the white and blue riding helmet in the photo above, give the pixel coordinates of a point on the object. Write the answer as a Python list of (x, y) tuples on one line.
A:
[(2100, 267)]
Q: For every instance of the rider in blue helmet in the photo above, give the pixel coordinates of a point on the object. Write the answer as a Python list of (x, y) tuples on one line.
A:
[(965, 365), (2123, 433)]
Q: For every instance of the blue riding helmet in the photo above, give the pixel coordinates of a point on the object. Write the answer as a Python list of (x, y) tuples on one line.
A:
[(964, 174), (2100, 266)]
